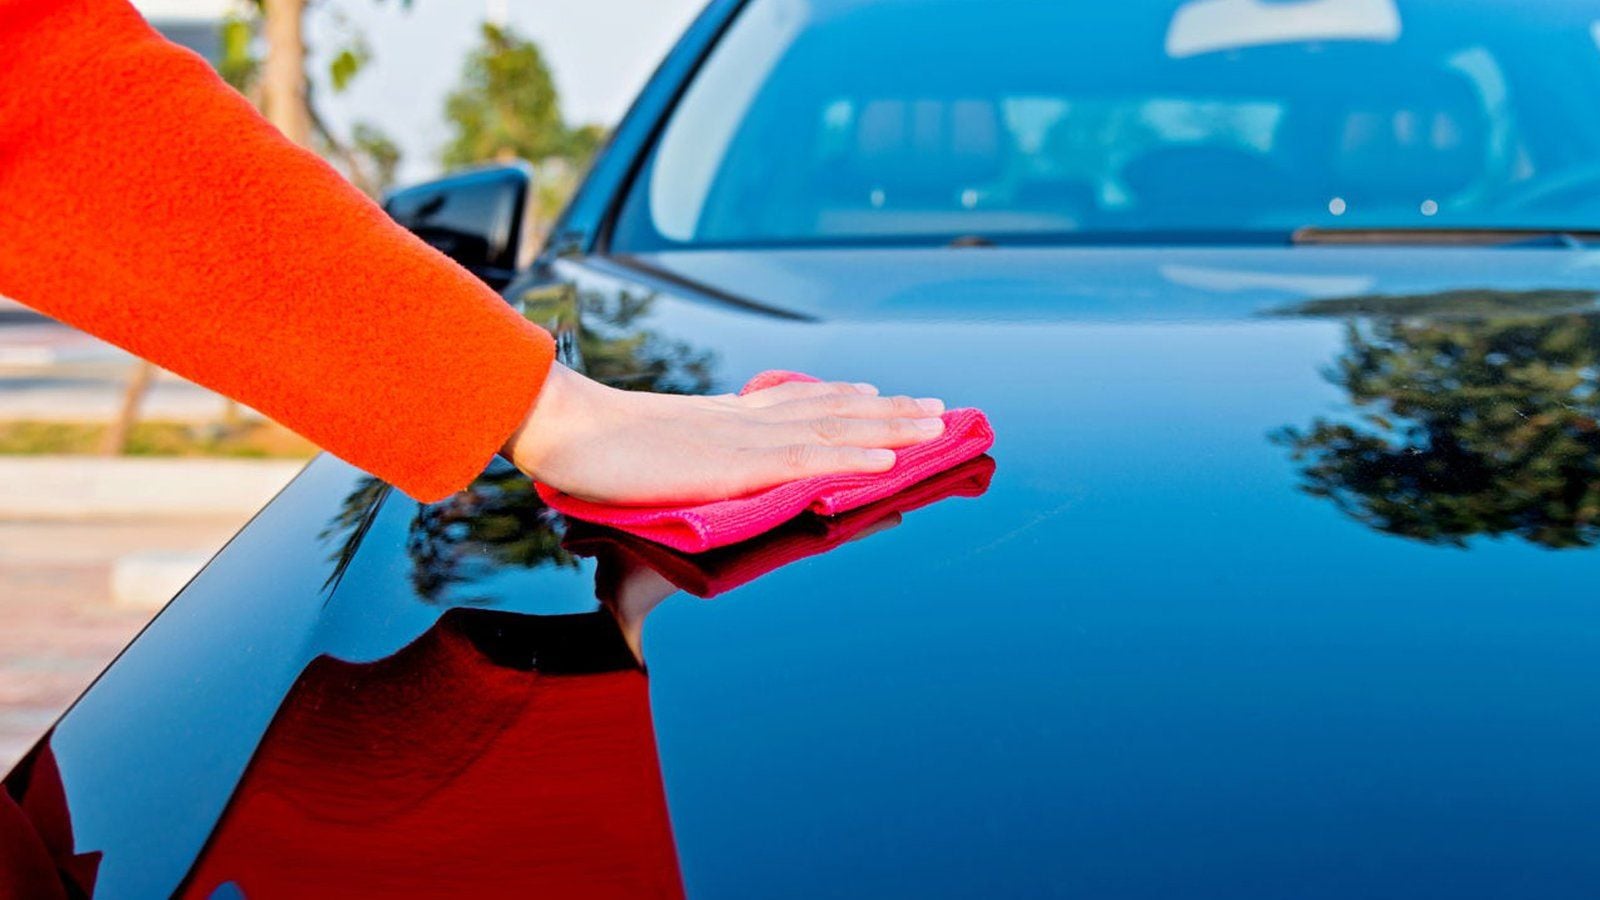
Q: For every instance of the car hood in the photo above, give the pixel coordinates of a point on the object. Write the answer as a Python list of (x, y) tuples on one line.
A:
[(1281, 584)]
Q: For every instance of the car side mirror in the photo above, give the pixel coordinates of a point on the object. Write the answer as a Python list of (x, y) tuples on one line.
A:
[(475, 217)]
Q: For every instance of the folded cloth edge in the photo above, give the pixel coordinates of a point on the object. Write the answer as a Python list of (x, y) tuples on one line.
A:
[(708, 574)]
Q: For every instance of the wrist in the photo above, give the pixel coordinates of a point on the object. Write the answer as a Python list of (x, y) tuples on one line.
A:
[(556, 412)]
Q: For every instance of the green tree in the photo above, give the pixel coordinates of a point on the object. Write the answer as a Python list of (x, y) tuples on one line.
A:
[(506, 107), (584, 141), (1474, 413)]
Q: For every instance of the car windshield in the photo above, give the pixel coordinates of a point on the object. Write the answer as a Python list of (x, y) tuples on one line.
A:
[(843, 122)]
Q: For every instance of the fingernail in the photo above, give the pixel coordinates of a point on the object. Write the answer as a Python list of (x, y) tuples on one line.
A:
[(863, 388), (929, 426), (929, 404), (881, 457)]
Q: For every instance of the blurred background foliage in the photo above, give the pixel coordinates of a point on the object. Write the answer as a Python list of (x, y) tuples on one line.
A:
[(505, 105)]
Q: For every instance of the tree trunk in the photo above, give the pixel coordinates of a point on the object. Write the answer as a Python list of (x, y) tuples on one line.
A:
[(284, 96), (283, 77), (132, 397)]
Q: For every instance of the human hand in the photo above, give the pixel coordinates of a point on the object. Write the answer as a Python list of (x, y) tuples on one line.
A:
[(635, 448)]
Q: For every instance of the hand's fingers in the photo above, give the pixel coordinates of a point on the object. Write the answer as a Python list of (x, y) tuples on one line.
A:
[(839, 431), (800, 390), (854, 406), (776, 465)]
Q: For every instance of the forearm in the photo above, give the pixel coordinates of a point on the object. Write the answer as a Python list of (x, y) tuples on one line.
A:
[(146, 203)]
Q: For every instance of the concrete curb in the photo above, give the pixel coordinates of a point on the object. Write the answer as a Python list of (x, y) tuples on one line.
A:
[(88, 487)]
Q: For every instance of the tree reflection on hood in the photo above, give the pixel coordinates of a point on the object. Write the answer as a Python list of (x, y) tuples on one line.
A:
[(1473, 413)]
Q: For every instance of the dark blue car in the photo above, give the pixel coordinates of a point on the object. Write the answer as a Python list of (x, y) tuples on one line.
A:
[(1279, 583)]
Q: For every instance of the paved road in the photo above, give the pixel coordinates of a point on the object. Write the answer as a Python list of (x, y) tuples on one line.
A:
[(50, 372), (94, 394), (59, 625)]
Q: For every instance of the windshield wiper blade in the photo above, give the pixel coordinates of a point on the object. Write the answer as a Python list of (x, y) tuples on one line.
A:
[(1447, 237)]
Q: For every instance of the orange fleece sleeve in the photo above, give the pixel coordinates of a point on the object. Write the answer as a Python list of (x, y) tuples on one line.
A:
[(145, 202)]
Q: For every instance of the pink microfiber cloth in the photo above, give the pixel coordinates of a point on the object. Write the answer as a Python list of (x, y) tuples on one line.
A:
[(703, 526), (725, 568)]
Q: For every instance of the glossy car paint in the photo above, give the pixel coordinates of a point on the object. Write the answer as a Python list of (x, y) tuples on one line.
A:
[(1146, 662)]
